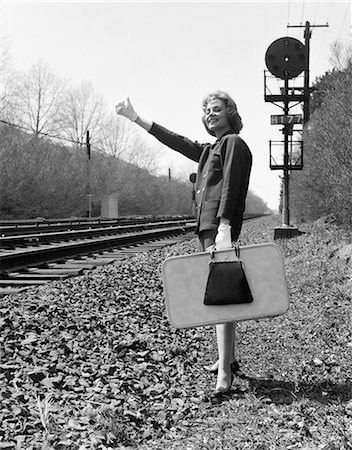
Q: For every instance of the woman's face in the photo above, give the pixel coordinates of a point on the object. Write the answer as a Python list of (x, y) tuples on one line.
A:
[(216, 117)]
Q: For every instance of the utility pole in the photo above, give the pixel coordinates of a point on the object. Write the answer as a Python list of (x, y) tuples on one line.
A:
[(306, 90), (88, 187)]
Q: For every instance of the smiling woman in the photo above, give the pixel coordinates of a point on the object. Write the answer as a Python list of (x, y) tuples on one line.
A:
[(216, 120), (221, 188), (218, 104)]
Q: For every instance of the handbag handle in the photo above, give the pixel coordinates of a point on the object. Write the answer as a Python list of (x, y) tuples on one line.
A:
[(235, 246)]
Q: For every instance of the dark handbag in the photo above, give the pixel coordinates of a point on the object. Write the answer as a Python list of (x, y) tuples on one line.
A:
[(227, 284)]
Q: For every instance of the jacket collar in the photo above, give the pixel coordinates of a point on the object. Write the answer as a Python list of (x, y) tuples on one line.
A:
[(225, 134)]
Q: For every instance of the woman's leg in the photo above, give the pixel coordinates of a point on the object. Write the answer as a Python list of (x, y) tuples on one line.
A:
[(225, 335), (214, 367)]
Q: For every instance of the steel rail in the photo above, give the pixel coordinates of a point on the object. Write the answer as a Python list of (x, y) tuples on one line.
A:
[(23, 258), (10, 242), (10, 227)]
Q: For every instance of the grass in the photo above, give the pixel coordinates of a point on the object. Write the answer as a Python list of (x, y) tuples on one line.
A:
[(44, 410)]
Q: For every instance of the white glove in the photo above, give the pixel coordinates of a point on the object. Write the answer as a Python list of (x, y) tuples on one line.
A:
[(223, 237), (126, 109)]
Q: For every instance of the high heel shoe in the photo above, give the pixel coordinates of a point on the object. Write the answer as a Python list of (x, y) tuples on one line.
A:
[(235, 367), (218, 393)]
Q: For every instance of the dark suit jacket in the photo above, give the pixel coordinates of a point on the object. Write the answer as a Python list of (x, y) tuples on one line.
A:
[(222, 178)]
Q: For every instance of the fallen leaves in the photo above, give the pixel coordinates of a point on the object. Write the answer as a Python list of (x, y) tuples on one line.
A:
[(101, 340), (92, 362)]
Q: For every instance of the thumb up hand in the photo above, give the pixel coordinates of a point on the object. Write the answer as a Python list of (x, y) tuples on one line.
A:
[(126, 109)]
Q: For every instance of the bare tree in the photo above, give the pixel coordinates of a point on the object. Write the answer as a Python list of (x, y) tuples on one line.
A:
[(8, 83), (123, 140), (115, 137), (39, 99), (83, 110), (340, 55), (143, 150)]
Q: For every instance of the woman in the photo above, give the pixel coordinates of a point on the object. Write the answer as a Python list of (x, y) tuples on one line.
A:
[(221, 188)]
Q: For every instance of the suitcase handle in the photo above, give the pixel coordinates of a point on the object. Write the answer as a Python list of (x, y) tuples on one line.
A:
[(235, 246)]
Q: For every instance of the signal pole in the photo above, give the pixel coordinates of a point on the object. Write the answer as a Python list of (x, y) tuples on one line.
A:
[(88, 186), (306, 90), (285, 203)]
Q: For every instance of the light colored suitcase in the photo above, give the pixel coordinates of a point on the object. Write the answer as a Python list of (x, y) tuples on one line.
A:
[(185, 279)]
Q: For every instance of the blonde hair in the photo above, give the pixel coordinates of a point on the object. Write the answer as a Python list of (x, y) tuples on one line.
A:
[(233, 117)]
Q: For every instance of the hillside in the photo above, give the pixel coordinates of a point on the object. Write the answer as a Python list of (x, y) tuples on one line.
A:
[(41, 179)]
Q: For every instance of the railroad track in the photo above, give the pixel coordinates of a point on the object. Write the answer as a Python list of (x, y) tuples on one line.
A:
[(33, 226), (35, 252)]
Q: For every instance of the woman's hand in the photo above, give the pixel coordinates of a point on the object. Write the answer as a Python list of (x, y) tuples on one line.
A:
[(126, 109), (223, 236)]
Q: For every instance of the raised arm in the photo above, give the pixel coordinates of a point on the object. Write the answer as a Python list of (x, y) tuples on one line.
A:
[(181, 144)]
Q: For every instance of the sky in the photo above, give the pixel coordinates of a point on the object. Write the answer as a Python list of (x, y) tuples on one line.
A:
[(166, 56)]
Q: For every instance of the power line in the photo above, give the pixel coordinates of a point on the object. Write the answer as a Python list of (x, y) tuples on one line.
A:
[(21, 127), (331, 5), (322, 45), (302, 10), (288, 12), (316, 11), (343, 22)]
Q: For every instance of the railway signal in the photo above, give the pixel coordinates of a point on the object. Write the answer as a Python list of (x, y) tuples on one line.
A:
[(286, 58)]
